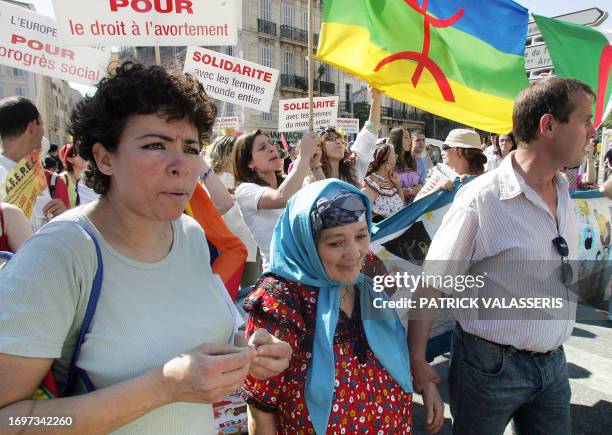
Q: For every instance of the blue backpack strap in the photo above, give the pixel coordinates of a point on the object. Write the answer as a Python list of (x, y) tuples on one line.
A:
[(5, 255), (94, 295)]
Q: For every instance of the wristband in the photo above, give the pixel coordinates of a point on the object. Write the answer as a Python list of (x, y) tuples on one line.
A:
[(205, 174), (371, 127)]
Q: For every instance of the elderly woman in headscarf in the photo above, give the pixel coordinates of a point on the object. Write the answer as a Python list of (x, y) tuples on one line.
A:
[(350, 371)]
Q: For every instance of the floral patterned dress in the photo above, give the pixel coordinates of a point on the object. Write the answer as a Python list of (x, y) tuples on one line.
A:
[(366, 398), (388, 199)]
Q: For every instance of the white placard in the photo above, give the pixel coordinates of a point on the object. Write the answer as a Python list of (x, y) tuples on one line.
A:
[(231, 79), (30, 41), (348, 125), (148, 22), (293, 114), (225, 122)]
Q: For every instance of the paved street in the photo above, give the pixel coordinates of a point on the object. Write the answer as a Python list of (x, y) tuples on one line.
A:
[(589, 356)]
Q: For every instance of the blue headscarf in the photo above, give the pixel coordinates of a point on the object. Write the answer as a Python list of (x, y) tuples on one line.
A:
[(294, 257)]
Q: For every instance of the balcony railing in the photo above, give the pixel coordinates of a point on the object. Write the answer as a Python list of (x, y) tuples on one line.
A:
[(298, 35), (387, 112), (299, 82), (267, 27), (293, 81), (294, 34), (326, 87), (400, 114)]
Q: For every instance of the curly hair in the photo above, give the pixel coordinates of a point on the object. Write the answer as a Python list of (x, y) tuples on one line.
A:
[(135, 89), (346, 167), (475, 158), (221, 152)]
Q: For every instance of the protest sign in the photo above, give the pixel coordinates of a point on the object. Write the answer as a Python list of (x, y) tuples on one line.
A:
[(348, 125), (231, 79), (30, 41), (148, 22), (24, 183), (293, 114), (225, 123)]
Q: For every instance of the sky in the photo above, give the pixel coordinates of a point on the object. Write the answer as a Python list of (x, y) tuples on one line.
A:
[(549, 8)]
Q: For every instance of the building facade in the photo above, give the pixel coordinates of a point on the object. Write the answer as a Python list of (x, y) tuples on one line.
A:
[(55, 101), (17, 82)]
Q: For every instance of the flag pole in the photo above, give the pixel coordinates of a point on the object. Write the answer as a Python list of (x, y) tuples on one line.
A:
[(310, 67), (157, 56)]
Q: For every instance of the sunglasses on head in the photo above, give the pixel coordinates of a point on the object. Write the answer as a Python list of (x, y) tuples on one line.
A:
[(328, 130), (567, 274)]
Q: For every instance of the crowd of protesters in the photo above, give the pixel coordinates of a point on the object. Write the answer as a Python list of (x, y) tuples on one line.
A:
[(162, 345)]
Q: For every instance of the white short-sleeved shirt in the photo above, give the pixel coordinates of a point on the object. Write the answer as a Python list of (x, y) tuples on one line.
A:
[(499, 227), (147, 313), (38, 218), (261, 222), (234, 221)]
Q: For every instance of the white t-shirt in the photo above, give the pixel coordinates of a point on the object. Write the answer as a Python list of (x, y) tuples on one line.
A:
[(147, 313), (38, 218), (261, 222), (493, 159), (235, 223)]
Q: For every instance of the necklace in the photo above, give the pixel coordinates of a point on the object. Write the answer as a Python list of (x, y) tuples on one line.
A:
[(344, 295)]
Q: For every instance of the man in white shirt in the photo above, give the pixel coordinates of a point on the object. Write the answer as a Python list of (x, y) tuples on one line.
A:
[(516, 226), (21, 132)]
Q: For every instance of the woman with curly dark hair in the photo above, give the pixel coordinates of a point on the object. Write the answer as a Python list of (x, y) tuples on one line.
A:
[(141, 135)]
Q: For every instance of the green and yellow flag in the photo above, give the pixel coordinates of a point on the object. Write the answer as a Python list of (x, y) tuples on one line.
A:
[(581, 53), (460, 59)]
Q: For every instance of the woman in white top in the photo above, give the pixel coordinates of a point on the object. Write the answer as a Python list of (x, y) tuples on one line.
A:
[(461, 157), (262, 192), (504, 145), (158, 350), (222, 164)]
